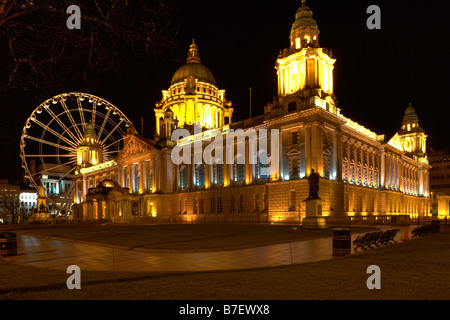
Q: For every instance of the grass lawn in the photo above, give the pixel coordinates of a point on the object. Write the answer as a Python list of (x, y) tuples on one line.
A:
[(415, 269)]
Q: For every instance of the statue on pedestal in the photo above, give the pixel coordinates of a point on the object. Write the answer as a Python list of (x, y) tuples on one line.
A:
[(313, 217), (313, 180), (41, 212)]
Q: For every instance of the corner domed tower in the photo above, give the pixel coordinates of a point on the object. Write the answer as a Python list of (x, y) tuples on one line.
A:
[(305, 70), (193, 98), (89, 151), (412, 136)]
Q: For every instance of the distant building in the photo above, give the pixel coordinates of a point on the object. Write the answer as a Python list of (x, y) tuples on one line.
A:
[(9, 200), (57, 182), (440, 181), (28, 201), (440, 173)]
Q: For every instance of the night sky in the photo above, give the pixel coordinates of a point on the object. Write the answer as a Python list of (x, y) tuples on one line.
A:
[(377, 72)]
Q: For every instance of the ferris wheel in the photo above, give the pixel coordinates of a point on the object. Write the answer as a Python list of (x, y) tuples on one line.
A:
[(53, 132)]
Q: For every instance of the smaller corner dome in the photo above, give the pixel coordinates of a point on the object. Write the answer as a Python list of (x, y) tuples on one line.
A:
[(90, 130), (109, 184), (410, 114)]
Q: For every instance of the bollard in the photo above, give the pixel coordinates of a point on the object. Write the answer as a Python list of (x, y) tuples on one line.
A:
[(341, 242), (8, 244)]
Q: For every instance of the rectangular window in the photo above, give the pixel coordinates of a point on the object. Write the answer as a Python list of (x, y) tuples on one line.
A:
[(292, 107), (295, 139), (294, 167), (257, 202), (219, 204), (297, 43)]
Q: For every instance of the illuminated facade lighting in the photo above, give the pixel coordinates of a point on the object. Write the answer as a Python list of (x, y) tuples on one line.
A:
[(362, 173)]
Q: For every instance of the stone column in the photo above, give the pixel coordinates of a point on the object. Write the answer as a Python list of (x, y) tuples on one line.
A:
[(131, 175), (145, 177), (382, 169), (316, 149), (142, 177), (337, 156), (308, 149), (84, 189), (348, 161)]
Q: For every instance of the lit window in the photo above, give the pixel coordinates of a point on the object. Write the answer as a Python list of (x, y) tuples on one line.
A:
[(297, 43)]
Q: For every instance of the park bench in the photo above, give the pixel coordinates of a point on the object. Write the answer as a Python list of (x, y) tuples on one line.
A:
[(366, 241), (377, 239), (388, 237)]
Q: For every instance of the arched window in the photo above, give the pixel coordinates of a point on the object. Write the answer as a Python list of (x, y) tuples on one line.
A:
[(200, 175), (263, 169), (218, 173), (239, 168), (184, 184)]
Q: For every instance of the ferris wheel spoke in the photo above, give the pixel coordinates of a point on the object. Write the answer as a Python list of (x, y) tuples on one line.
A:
[(115, 142), (72, 121), (47, 128), (80, 110), (66, 174), (50, 155), (109, 135), (94, 111), (66, 199), (103, 124), (50, 143), (63, 126), (55, 167)]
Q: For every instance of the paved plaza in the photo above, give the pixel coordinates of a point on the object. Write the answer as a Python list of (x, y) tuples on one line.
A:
[(44, 252)]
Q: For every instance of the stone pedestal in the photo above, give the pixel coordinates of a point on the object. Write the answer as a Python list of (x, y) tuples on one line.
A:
[(313, 218), (42, 214)]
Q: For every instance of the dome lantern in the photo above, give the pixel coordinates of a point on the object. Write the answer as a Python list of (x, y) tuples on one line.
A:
[(193, 68)]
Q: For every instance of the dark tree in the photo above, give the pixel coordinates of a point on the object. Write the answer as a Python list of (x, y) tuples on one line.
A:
[(42, 57), (119, 40)]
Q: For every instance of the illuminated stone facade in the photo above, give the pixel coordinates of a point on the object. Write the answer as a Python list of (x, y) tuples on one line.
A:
[(362, 173)]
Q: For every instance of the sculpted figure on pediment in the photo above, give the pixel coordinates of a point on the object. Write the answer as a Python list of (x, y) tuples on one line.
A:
[(133, 147)]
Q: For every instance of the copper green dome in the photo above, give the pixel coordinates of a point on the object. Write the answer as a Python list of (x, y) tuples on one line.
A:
[(304, 17), (90, 130), (410, 115), (193, 68)]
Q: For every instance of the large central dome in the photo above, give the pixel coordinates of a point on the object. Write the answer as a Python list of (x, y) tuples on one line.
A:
[(193, 68)]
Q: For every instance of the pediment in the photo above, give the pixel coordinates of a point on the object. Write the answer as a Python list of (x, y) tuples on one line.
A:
[(293, 152), (396, 142), (135, 146)]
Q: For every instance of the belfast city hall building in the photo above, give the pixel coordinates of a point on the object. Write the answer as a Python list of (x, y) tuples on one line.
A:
[(361, 173)]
